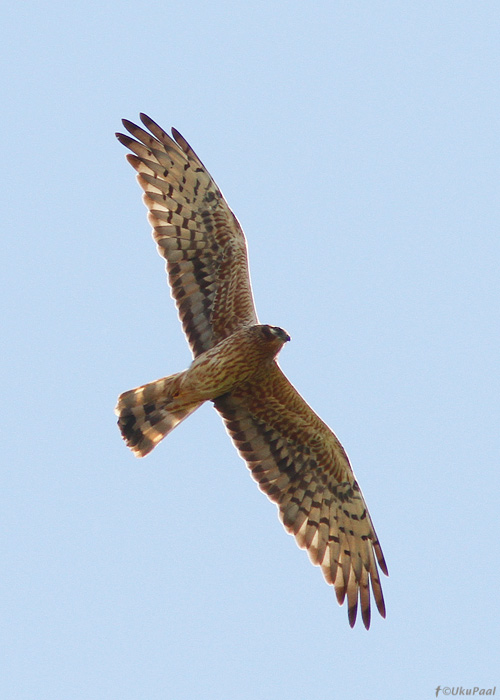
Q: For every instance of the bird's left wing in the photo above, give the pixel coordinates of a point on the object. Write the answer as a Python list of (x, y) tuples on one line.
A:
[(301, 466), (197, 234)]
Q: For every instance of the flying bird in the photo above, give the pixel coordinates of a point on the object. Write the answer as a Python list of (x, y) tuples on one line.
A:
[(293, 455)]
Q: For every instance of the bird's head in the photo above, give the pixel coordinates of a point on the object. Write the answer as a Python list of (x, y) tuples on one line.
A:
[(275, 333)]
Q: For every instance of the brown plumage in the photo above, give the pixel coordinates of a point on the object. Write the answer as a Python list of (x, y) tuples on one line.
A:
[(292, 454)]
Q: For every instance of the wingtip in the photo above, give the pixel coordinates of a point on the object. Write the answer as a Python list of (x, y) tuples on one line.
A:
[(352, 613), (381, 608), (179, 138), (130, 126), (122, 138), (147, 121)]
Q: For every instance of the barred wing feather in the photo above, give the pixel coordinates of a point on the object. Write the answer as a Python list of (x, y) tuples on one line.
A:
[(300, 464), (197, 234)]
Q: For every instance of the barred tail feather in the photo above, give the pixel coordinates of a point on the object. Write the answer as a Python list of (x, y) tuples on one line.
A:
[(150, 412)]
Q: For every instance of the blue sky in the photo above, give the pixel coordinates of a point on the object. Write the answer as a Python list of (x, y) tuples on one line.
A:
[(357, 142)]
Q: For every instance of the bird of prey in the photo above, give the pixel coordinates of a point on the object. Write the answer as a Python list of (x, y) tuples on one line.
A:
[(292, 454)]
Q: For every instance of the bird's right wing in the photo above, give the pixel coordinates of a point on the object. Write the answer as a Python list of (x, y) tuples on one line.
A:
[(196, 233)]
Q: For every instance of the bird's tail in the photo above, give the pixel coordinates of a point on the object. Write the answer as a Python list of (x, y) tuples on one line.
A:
[(150, 412)]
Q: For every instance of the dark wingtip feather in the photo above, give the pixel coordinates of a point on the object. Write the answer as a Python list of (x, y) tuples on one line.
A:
[(381, 607), (352, 614), (148, 122), (124, 139), (365, 614), (181, 140), (130, 126), (176, 134)]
